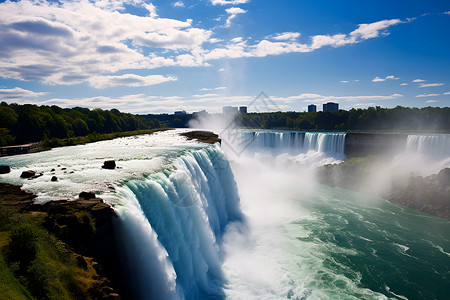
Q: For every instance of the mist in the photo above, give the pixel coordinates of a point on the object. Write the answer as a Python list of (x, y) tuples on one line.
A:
[(275, 253)]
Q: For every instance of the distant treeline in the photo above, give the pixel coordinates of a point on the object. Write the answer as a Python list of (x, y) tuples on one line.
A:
[(374, 118), (21, 124)]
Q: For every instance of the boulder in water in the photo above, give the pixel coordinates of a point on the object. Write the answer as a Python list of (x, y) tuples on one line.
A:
[(87, 195), (28, 174), (109, 164), (5, 169)]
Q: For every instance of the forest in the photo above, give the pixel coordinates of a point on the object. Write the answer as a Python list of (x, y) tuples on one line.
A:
[(21, 124), (428, 119)]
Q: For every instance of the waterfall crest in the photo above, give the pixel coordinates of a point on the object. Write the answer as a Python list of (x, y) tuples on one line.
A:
[(294, 142), (437, 146), (172, 225)]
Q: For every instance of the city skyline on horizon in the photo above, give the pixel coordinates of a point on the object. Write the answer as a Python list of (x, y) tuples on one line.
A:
[(163, 56)]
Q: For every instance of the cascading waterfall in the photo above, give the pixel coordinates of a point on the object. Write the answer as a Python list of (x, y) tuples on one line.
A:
[(183, 235), (172, 226), (294, 141), (436, 146), (332, 143)]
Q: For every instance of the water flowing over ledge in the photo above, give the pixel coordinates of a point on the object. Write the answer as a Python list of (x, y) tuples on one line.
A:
[(294, 142), (173, 223), (184, 235)]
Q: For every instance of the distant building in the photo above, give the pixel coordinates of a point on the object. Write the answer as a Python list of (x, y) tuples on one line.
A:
[(229, 110), (243, 109), (180, 112), (312, 108), (331, 106)]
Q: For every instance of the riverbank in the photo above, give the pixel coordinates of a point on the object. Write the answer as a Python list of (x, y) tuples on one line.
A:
[(59, 250), (49, 144)]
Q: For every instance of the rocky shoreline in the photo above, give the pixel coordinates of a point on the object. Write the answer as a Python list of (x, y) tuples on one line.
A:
[(83, 226), (202, 136), (430, 194)]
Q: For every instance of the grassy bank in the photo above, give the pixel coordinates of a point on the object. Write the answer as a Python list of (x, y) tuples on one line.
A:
[(34, 263)]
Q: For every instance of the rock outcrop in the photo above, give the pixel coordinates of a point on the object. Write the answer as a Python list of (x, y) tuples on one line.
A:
[(109, 164), (85, 225), (87, 195), (429, 194), (5, 169), (28, 174), (202, 136)]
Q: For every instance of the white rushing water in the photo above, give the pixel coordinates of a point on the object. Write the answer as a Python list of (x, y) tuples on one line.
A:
[(175, 199), (195, 226), (435, 146), (293, 142)]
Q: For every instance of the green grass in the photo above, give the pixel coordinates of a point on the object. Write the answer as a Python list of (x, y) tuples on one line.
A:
[(36, 265)]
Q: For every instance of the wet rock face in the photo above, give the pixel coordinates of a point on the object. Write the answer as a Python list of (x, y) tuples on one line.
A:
[(28, 174), (86, 226), (5, 169), (87, 195), (109, 164), (443, 177)]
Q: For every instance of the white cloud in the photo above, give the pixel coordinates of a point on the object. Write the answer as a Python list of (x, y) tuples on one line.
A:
[(205, 95), (447, 93), (178, 4), (221, 69), (68, 42), (364, 104), (214, 40), (213, 89), (418, 80), (404, 83), (390, 77), (372, 30), (132, 80), (344, 81), (316, 98), (18, 93), (233, 12), (151, 9), (71, 42), (447, 13), (212, 102), (422, 85), (286, 36), (265, 47), (229, 2), (427, 95), (431, 101)]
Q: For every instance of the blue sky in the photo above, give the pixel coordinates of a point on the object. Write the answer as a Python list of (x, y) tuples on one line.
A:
[(161, 56)]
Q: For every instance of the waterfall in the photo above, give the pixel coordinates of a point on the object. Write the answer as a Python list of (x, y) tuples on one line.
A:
[(172, 225), (294, 141), (437, 146)]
